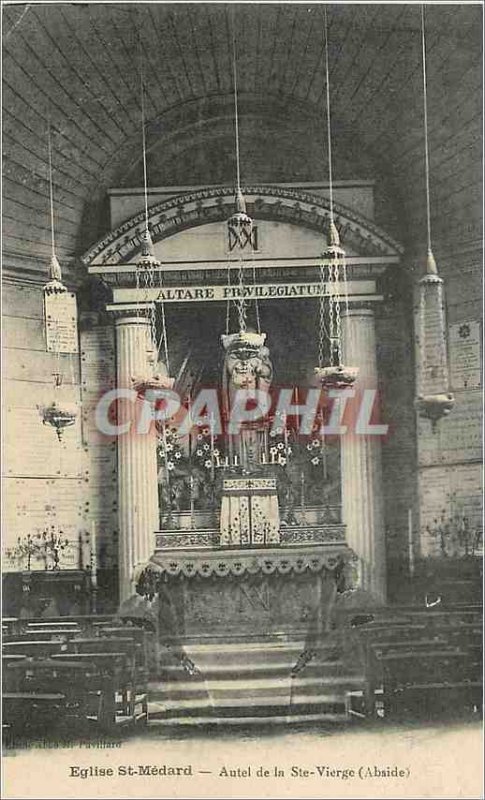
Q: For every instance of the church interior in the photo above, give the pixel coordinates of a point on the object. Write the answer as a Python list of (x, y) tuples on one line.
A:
[(242, 363)]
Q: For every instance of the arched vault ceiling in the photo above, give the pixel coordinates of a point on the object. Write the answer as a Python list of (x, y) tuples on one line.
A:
[(76, 64)]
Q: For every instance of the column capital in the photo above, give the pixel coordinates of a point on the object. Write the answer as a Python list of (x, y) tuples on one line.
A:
[(358, 308), (134, 312), (124, 317)]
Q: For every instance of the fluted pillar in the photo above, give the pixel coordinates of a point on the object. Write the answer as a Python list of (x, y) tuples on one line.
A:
[(137, 459), (362, 491)]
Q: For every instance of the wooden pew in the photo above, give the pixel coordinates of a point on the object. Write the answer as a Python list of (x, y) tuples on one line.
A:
[(43, 692), (36, 649), (109, 664), (123, 691), (429, 682), (424, 664)]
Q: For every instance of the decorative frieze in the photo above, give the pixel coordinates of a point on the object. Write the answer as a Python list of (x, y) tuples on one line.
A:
[(241, 562), (289, 537), (264, 202)]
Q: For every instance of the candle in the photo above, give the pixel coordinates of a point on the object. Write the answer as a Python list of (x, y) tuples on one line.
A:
[(167, 473), (410, 542), (93, 554), (191, 501), (189, 412), (323, 451), (212, 444)]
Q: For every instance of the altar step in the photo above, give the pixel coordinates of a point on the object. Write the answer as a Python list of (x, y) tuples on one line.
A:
[(249, 682)]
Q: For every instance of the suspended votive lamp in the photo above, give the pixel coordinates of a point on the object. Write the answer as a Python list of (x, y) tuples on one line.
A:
[(61, 333), (333, 279), (335, 375), (59, 415), (434, 399), (155, 375)]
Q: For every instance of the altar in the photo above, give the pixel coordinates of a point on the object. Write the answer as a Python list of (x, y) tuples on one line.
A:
[(234, 592), (229, 511)]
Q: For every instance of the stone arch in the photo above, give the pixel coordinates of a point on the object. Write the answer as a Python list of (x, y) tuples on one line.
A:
[(215, 204)]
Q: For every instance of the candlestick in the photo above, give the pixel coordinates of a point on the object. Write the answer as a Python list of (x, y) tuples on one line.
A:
[(212, 444), (191, 483), (80, 560), (410, 542), (167, 472), (93, 554), (189, 412), (323, 450)]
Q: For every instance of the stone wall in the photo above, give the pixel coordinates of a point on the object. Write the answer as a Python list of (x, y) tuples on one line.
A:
[(449, 460), (68, 484)]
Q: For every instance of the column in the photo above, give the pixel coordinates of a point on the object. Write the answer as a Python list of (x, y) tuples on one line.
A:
[(137, 459), (362, 492)]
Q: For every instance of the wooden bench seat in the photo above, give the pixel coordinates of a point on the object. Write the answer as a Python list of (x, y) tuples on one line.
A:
[(34, 648), (97, 666), (422, 660), (129, 683), (84, 644), (40, 636), (94, 687)]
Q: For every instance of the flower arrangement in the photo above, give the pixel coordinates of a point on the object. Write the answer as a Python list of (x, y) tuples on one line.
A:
[(205, 453), (455, 533), (169, 449), (46, 545)]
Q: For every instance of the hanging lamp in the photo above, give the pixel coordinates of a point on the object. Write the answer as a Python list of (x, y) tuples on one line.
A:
[(434, 399), (240, 238), (156, 374), (60, 325), (333, 279)]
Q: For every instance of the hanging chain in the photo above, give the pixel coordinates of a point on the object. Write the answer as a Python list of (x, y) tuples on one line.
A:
[(253, 270), (321, 327), (348, 328), (152, 309), (338, 325), (228, 303), (241, 300), (138, 288), (256, 304), (331, 310), (163, 340)]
